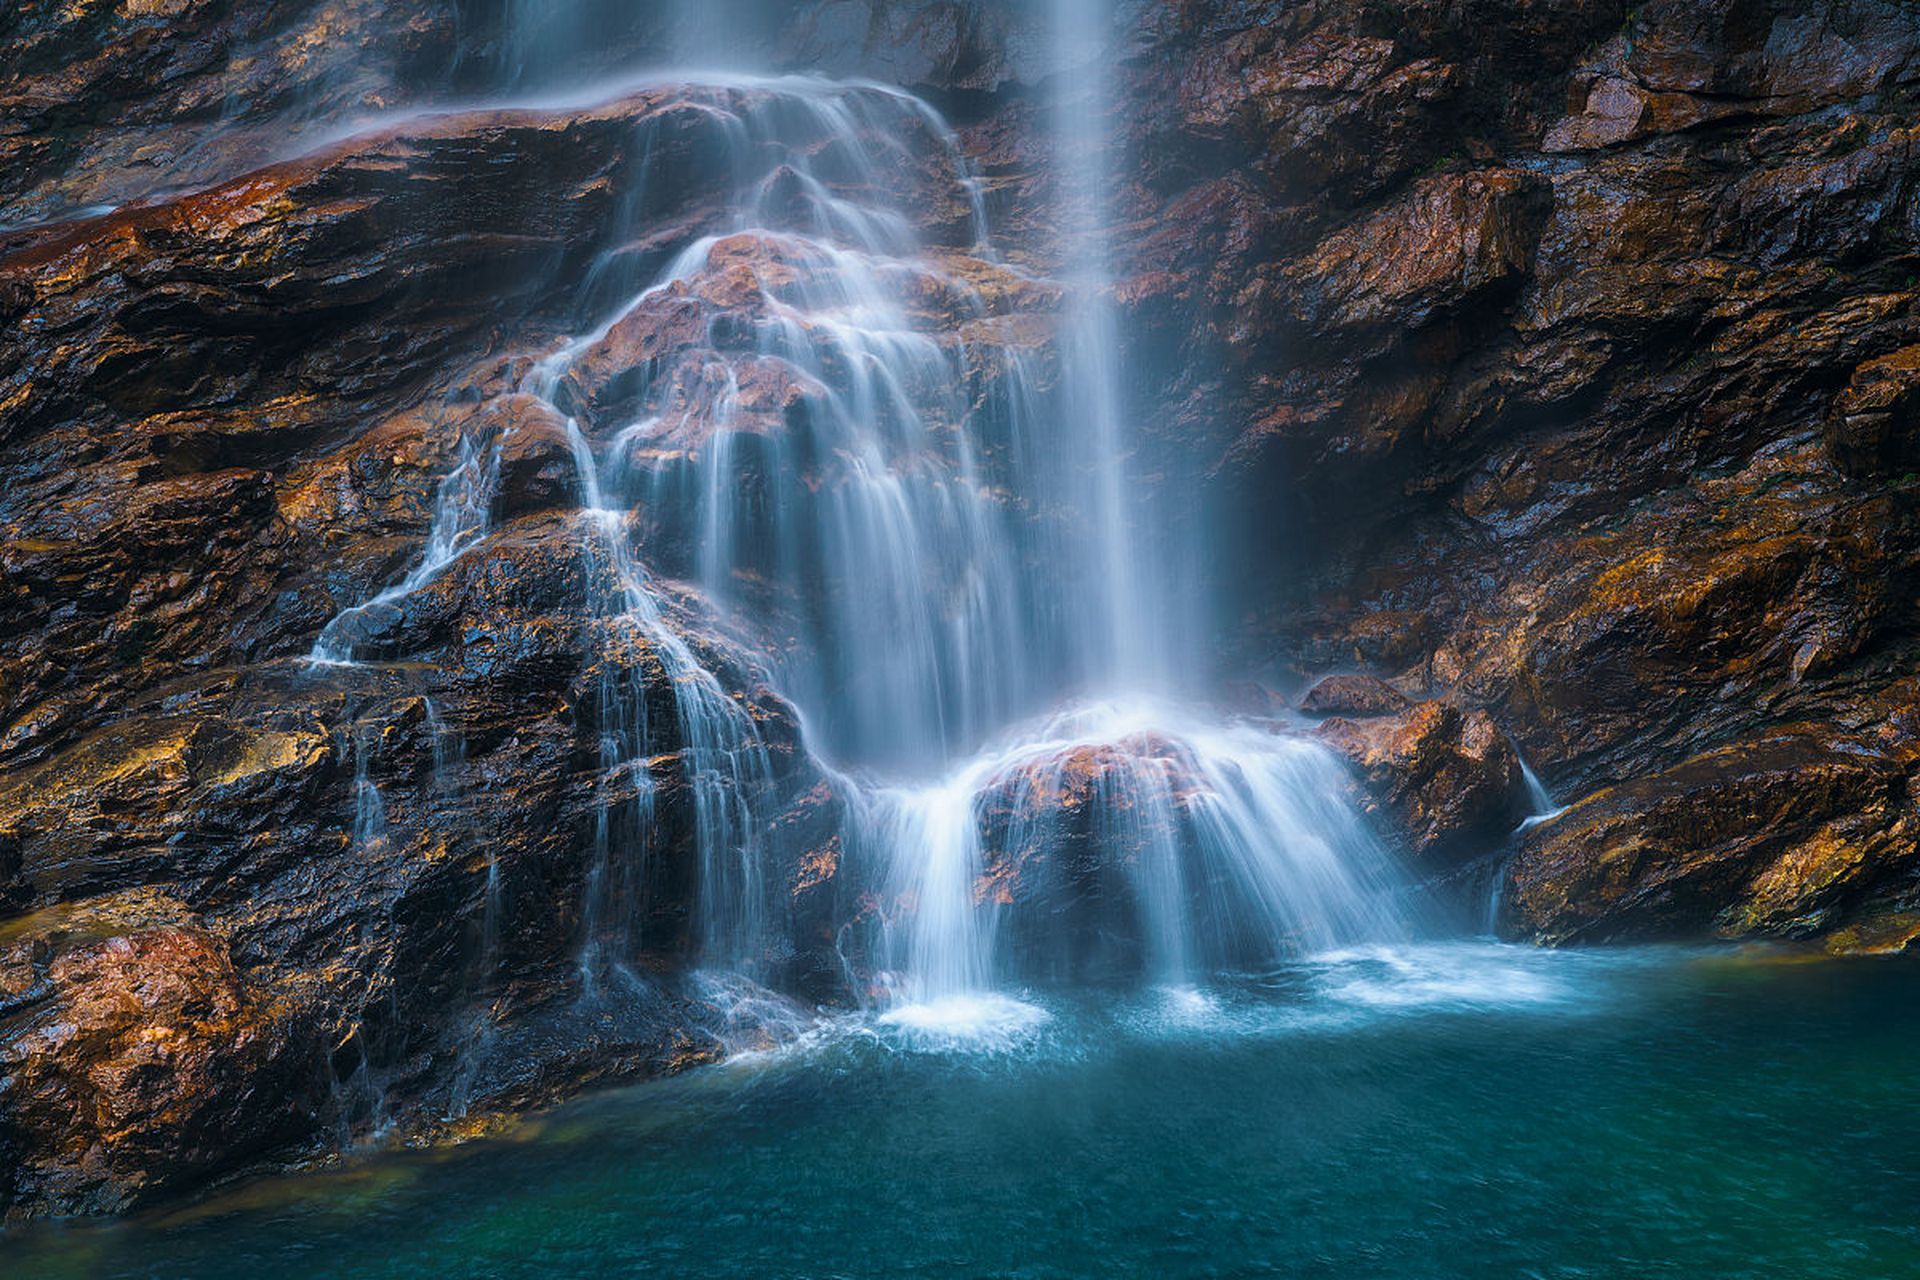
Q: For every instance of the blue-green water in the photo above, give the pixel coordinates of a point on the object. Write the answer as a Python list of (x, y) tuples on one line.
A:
[(1451, 1111)]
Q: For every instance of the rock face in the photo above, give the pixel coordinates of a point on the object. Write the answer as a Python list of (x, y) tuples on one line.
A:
[(1550, 364), (1557, 357), (359, 894), (109, 102)]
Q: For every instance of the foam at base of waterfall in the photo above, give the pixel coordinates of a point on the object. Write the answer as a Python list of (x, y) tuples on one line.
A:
[(1177, 802), (1356, 989), (1467, 976), (973, 1021)]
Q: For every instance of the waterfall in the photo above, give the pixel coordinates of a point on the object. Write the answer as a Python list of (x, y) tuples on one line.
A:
[(908, 465), (1539, 799), (1126, 649)]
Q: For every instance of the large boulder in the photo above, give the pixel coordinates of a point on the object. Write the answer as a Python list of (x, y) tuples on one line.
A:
[(135, 1059), (1445, 780)]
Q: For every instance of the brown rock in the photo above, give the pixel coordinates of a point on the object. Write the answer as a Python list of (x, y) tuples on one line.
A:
[(1353, 695), (1873, 429), (135, 1060), (537, 467), (1784, 834), (1446, 780), (1766, 581), (1065, 837), (1447, 242), (1303, 102), (112, 103)]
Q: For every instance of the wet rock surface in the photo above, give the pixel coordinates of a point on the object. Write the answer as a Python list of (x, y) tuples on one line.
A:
[(1550, 363), (134, 1055), (228, 419), (1447, 782), (1781, 833), (1566, 378)]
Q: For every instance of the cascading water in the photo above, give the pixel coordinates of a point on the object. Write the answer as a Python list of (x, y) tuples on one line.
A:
[(459, 520), (907, 464)]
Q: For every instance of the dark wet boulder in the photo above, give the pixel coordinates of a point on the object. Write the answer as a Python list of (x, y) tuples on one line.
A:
[(1792, 832), (1353, 695), (1069, 841), (1446, 781), (136, 1060)]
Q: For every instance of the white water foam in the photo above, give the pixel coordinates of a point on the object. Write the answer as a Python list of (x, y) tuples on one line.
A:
[(970, 1022)]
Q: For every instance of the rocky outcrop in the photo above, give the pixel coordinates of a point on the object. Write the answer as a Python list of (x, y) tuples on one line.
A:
[(1447, 783), (1782, 834), (359, 893), (1556, 357), (1353, 695), (107, 103), (1068, 868), (135, 1055)]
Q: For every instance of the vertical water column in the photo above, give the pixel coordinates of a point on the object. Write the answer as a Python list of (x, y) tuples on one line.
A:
[(1122, 649)]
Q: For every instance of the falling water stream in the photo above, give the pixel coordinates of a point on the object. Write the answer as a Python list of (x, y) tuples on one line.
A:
[(942, 509)]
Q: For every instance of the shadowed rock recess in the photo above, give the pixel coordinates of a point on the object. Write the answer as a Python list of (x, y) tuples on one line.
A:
[(1544, 373)]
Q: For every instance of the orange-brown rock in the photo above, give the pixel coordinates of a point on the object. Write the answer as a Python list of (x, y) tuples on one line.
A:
[(1066, 839), (107, 102), (134, 1056), (1791, 832), (1353, 695), (1446, 780), (1873, 427), (1449, 242)]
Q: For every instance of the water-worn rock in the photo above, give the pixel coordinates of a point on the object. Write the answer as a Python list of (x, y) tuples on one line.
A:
[(1072, 841), (1447, 781), (1353, 695), (1784, 833), (134, 1056)]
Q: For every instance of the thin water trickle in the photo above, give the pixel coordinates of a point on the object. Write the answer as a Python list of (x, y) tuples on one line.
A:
[(460, 520), (359, 1089), (1539, 799)]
